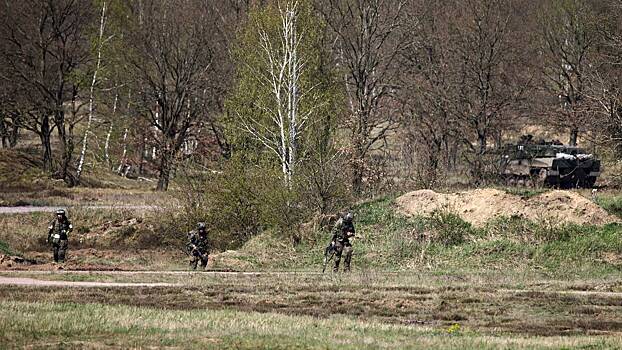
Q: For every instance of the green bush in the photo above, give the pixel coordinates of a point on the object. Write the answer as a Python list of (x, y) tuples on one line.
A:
[(167, 230), (243, 200), (449, 228), (530, 232), (5, 249)]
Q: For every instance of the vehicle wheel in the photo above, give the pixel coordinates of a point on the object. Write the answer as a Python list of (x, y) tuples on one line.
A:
[(540, 179), (590, 181)]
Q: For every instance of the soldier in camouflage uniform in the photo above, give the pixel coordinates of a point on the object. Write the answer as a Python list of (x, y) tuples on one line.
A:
[(57, 235), (342, 232), (198, 246)]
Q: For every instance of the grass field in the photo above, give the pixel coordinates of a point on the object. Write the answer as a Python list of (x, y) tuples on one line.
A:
[(282, 311)]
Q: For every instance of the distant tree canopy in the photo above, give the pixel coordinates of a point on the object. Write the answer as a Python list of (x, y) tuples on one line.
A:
[(329, 96)]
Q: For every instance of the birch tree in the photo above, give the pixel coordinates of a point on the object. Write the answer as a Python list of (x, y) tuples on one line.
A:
[(100, 43), (277, 97)]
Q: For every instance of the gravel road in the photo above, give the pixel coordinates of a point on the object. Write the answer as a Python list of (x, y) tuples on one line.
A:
[(32, 209)]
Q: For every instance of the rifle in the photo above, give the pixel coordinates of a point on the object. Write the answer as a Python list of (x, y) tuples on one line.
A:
[(195, 249), (329, 253)]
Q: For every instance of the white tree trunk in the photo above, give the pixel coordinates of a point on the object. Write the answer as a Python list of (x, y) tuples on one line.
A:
[(109, 134), (102, 25), (155, 133), (124, 154), (284, 69)]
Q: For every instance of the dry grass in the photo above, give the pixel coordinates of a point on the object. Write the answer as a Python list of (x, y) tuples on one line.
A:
[(22, 182), (101, 239), (84, 196), (45, 324), (484, 304)]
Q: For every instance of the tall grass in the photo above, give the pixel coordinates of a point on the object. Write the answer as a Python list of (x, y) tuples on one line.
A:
[(613, 205)]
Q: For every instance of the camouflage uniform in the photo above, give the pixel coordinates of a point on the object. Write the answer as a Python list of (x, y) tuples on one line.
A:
[(198, 247), (57, 235), (342, 232)]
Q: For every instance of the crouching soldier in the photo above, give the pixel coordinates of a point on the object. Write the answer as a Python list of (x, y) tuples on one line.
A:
[(342, 232), (198, 246), (57, 235)]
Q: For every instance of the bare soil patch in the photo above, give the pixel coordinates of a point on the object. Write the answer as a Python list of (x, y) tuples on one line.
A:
[(20, 281), (482, 205)]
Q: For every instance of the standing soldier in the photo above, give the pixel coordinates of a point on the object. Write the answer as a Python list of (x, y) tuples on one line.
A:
[(198, 246), (57, 235), (342, 232)]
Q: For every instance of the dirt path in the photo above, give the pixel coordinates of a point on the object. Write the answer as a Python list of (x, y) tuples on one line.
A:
[(11, 277), (563, 292), (19, 281), (155, 272), (33, 209)]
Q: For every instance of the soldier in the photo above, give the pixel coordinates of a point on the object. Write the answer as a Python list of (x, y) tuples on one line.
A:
[(198, 246), (342, 232), (57, 235)]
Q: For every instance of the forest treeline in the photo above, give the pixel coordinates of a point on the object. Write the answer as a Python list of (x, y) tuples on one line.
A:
[(286, 107)]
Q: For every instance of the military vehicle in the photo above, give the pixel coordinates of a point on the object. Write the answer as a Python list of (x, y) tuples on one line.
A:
[(548, 164)]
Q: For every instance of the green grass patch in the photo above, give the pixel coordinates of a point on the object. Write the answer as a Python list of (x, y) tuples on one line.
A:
[(69, 325), (613, 205)]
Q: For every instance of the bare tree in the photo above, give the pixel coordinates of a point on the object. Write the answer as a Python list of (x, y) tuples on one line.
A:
[(170, 57), (368, 37), (46, 44), (605, 83), (428, 124), (568, 38), (486, 84), (10, 118)]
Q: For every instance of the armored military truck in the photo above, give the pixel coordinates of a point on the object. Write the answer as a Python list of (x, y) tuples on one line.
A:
[(548, 164)]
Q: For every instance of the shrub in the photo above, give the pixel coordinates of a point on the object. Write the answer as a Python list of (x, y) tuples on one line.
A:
[(5, 249), (243, 200), (449, 228)]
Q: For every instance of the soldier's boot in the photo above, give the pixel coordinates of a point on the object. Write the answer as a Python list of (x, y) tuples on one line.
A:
[(204, 263), (61, 255), (55, 254), (193, 263), (347, 259)]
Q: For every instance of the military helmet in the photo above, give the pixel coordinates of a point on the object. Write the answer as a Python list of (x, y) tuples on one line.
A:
[(201, 226), (60, 212), (348, 217)]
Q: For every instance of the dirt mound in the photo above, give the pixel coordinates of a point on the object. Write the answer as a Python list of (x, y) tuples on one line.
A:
[(481, 205)]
